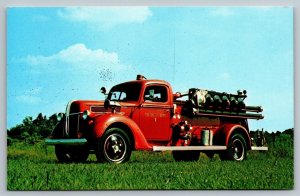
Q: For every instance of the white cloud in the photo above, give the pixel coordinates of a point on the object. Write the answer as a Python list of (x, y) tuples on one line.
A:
[(73, 68), (106, 17), (75, 57), (222, 11)]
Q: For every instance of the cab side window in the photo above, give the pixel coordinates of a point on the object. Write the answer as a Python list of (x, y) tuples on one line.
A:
[(156, 94)]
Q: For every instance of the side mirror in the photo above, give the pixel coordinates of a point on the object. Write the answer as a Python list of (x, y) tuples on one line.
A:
[(103, 90)]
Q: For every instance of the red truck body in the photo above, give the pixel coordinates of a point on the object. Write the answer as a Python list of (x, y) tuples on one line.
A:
[(146, 115)]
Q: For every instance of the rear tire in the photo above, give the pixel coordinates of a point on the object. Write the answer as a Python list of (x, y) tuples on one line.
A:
[(236, 149), (186, 155), (114, 146)]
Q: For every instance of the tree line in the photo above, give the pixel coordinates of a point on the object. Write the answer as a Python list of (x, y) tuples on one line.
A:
[(262, 138), (34, 130)]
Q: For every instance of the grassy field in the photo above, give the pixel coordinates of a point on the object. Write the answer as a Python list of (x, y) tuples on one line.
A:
[(34, 167)]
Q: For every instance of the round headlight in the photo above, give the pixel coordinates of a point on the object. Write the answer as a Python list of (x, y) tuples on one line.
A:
[(86, 114), (59, 116)]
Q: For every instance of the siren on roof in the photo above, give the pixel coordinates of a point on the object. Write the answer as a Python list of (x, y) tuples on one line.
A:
[(140, 77)]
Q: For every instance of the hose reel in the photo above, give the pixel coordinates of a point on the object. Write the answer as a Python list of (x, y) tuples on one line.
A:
[(216, 100)]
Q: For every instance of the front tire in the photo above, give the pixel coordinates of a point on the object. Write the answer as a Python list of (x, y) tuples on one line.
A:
[(236, 149), (67, 154), (114, 146), (210, 154)]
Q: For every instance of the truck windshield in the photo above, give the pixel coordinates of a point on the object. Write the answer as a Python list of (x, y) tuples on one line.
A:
[(125, 92)]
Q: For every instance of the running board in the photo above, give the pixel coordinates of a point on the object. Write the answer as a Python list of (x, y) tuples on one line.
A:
[(177, 148), (200, 148), (259, 148)]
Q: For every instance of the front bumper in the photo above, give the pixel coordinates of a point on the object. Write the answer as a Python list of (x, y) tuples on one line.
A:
[(68, 142)]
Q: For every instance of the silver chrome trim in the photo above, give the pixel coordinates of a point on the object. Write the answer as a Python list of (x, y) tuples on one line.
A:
[(67, 116), (177, 148), (201, 148), (75, 113)]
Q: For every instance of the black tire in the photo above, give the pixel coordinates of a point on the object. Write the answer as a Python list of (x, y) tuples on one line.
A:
[(67, 154), (186, 155), (114, 146), (210, 154), (236, 149)]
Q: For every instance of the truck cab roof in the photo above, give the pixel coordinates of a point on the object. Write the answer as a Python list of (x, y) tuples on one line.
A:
[(145, 81)]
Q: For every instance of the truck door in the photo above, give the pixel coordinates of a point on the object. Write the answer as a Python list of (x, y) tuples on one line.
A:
[(155, 113)]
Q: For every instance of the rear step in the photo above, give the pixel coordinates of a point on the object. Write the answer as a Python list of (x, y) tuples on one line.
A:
[(259, 148)]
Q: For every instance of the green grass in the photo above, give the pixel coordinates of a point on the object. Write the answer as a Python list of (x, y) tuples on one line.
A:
[(35, 168)]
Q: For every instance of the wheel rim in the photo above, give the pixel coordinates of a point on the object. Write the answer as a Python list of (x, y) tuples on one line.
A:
[(115, 147), (237, 150)]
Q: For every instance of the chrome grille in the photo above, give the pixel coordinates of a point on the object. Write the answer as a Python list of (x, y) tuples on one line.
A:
[(72, 123)]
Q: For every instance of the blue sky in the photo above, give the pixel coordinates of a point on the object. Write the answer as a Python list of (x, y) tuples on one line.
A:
[(59, 54)]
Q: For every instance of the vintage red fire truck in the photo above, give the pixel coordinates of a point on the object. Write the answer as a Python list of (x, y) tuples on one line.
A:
[(146, 115)]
